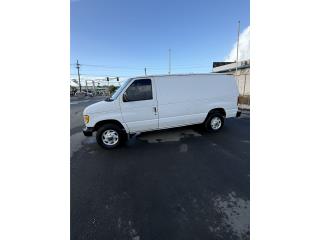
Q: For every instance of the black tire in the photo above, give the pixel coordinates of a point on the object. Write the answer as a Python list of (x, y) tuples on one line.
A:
[(208, 125), (120, 132)]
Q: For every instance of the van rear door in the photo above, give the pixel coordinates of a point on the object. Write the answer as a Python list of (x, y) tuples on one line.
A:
[(138, 105)]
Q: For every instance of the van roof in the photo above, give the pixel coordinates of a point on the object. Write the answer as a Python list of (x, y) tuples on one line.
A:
[(181, 74)]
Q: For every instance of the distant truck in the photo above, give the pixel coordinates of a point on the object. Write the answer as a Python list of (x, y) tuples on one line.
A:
[(150, 103)]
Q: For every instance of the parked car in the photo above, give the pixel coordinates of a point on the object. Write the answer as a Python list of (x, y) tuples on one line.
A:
[(150, 103)]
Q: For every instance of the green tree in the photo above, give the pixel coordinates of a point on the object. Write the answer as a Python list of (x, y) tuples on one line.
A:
[(73, 90), (112, 89)]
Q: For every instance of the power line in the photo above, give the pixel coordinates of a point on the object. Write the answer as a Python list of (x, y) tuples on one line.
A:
[(98, 70), (137, 67), (86, 72)]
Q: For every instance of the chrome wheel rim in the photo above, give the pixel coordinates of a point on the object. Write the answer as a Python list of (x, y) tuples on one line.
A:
[(215, 123), (110, 137)]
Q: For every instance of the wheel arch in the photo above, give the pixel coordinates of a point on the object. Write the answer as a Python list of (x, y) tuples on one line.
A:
[(109, 121), (221, 111)]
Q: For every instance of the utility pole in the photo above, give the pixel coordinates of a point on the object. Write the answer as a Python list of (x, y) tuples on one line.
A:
[(94, 87), (108, 93), (87, 86), (238, 46), (78, 67), (169, 61), (145, 71)]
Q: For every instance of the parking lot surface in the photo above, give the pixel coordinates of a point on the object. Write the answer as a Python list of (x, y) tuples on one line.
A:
[(181, 183)]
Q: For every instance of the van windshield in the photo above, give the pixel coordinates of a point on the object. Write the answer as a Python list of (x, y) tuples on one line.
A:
[(118, 91)]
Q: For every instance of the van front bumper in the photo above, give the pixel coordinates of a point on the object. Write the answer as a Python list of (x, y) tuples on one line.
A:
[(87, 131)]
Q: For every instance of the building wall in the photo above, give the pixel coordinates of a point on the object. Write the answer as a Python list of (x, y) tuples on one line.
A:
[(243, 82), (242, 75)]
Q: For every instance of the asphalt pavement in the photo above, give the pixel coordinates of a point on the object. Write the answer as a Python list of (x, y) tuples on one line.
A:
[(181, 183)]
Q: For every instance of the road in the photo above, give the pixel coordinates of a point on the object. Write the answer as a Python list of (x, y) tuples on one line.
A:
[(181, 183)]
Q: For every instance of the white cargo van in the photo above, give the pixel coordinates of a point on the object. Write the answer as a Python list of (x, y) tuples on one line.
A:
[(165, 101)]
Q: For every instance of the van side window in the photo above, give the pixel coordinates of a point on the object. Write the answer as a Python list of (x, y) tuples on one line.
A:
[(140, 89)]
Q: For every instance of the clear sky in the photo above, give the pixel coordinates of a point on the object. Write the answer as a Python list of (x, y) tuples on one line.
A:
[(121, 37)]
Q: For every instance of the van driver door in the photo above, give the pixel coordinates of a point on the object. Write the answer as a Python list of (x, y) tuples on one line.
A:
[(139, 106)]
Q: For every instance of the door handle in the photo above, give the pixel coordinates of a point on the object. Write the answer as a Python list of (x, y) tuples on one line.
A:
[(155, 110)]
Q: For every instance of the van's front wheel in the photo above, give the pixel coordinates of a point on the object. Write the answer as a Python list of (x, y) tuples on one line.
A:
[(214, 122), (109, 136)]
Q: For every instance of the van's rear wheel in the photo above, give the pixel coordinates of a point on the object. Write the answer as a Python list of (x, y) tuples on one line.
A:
[(110, 136), (214, 122)]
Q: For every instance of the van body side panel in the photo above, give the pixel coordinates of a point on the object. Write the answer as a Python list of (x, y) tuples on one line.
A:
[(102, 111), (231, 112), (186, 100), (178, 100), (139, 116)]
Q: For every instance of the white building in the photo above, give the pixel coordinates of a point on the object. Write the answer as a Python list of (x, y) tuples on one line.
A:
[(242, 74)]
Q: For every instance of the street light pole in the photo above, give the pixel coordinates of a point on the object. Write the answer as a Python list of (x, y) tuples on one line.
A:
[(238, 47), (169, 61)]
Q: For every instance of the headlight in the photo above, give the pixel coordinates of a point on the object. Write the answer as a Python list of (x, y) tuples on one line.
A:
[(86, 119)]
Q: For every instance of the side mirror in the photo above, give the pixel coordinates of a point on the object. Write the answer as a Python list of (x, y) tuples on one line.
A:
[(125, 97)]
